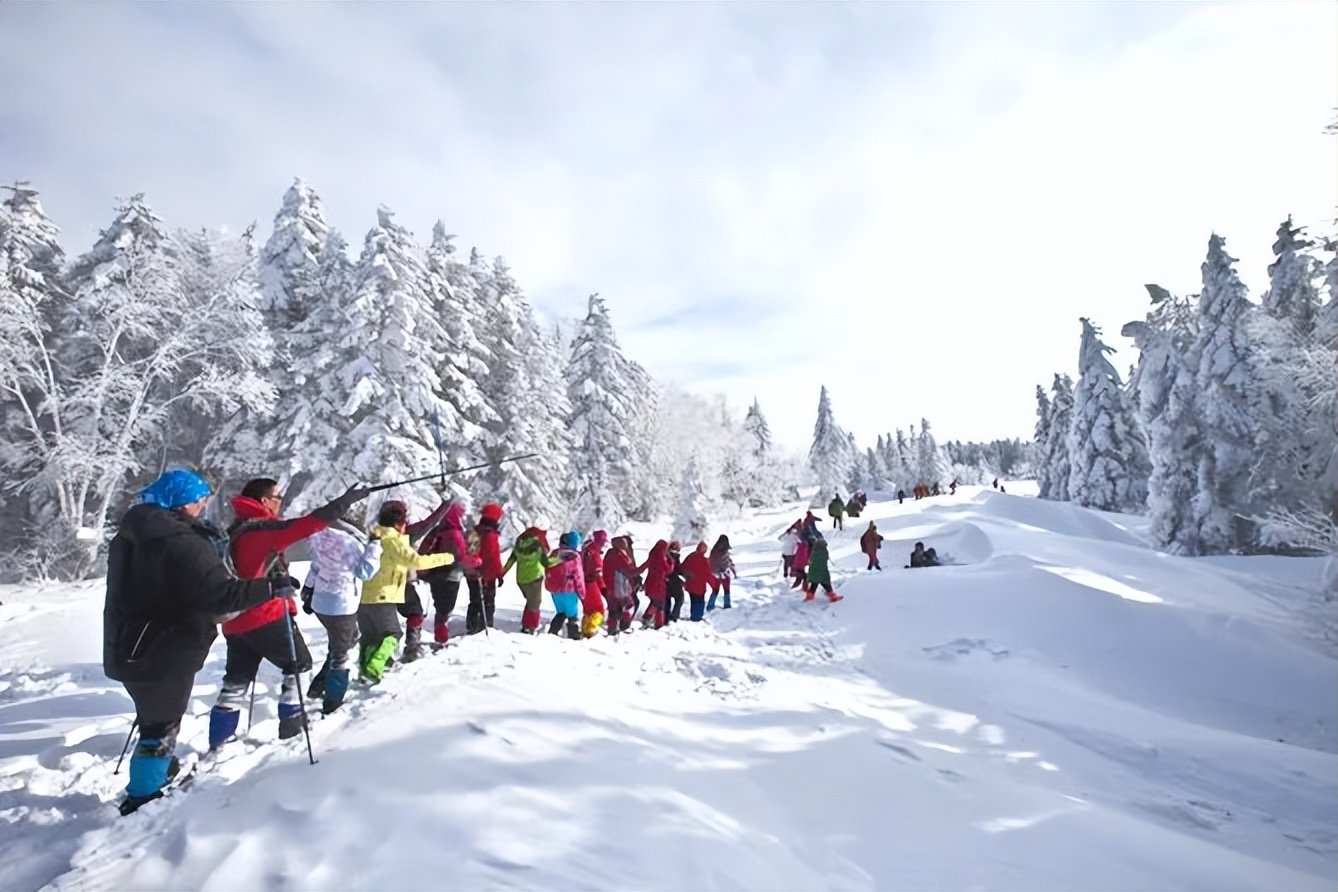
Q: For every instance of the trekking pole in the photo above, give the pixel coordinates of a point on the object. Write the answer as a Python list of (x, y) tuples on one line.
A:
[(486, 464), (126, 748), (251, 710), (301, 701), (441, 456)]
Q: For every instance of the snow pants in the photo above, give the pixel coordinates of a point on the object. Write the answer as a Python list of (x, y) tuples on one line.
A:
[(673, 606), (341, 635), (444, 584), (621, 609), (533, 592), (269, 642), (159, 706), (697, 609), (718, 584), (567, 604)]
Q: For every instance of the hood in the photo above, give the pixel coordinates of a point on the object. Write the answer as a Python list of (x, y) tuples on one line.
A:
[(538, 534), (247, 508), (600, 537), (455, 516), (659, 549), (492, 511), (144, 523)]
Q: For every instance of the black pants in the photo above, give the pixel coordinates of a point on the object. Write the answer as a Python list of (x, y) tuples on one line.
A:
[(445, 592), (413, 605), (673, 606), (269, 642), (159, 706), (482, 601), (341, 635)]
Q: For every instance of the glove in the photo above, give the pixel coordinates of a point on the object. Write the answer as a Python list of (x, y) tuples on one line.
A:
[(307, 594), (283, 587), (332, 511)]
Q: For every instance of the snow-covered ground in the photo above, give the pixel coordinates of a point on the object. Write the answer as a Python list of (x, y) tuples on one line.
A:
[(1064, 708)]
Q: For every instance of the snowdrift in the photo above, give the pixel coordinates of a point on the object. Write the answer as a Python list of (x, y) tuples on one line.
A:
[(1064, 707)]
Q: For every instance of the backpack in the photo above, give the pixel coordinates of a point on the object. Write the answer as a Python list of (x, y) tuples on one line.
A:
[(555, 578)]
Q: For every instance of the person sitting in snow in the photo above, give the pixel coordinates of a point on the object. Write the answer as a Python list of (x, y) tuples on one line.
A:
[(722, 568), (819, 573), (531, 558), (268, 632), (167, 583), (565, 581), (341, 556), (383, 594), (869, 543), (836, 508), (920, 557)]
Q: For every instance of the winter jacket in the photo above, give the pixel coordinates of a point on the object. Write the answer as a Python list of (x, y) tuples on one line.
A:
[(801, 556), (530, 557), (721, 562), (808, 529), (871, 541), (657, 567), (490, 550), (592, 562), (340, 557), (789, 541), (619, 573), (259, 538), (573, 575), (697, 569), (673, 582), (449, 538), (836, 507), (818, 570), (167, 584), (398, 558)]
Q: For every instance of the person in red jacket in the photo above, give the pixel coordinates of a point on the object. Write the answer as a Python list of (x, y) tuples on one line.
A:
[(592, 563), (268, 631), (483, 582), (657, 568), (620, 582), (444, 582), (699, 578)]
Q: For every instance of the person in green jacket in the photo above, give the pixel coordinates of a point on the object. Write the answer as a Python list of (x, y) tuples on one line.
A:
[(837, 509), (530, 557), (819, 572)]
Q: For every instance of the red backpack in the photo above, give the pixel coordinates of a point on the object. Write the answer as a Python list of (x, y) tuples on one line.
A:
[(556, 578)]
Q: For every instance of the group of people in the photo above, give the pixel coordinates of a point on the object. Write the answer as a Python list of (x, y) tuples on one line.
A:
[(173, 578), (805, 559), (839, 507)]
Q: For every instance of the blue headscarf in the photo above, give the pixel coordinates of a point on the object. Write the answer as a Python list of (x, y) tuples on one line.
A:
[(175, 488)]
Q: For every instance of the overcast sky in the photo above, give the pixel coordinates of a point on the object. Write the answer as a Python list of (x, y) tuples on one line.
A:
[(909, 203)]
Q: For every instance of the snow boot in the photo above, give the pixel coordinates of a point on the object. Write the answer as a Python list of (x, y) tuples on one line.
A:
[(316, 689), (727, 604), (556, 625), (379, 660), (474, 619), (413, 638), (808, 596), (336, 686), (710, 602), (151, 767), (291, 720), (529, 621), (441, 632), (222, 725), (833, 597), (574, 628)]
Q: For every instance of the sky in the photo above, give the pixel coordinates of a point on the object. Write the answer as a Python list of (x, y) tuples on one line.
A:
[(770, 197)]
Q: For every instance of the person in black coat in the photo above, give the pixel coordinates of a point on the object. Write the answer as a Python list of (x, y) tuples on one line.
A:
[(168, 584)]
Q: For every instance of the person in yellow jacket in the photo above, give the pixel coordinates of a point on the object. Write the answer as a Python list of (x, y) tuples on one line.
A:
[(378, 613)]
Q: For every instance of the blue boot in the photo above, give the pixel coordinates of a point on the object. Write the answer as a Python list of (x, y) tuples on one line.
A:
[(336, 686), (151, 766), (222, 725), (710, 602)]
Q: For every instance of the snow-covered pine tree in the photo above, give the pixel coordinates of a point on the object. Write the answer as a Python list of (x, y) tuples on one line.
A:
[(901, 463), (1166, 389), (391, 384), (858, 477), (1039, 441), (928, 463), (1230, 398), (460, 298), (1055, 454), (690, 524), (755, 423), (289, 259), (829, 456), (1107, 455), (603, 396), (874, 462), (32, 297)]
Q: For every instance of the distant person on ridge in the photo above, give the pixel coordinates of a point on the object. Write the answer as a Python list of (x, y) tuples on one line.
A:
[(836, 508), (869, 543)]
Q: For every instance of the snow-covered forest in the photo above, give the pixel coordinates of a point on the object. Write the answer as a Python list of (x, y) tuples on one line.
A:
[(1225, 432), (296, 359)]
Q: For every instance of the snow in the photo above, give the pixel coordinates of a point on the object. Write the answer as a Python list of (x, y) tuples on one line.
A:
[(1062, 707)]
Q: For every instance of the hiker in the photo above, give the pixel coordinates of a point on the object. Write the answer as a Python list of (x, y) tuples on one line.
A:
[(444, 582), (657, 568), (620, 580), (267, 632), (383, 594), (697, 579), (531, 558), (800, 564), (853, 507), (412, 607), (482, 581), (167, 583), (863, 498), (901, 496), (722, 568), (341, 556), (673, 585), (819, 573), (592, 565), (789, 540), (952, 488), (869, 543), (565, 581), (836, 508)]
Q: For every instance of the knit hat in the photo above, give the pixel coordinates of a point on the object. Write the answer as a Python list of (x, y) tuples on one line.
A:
[(570, 539), (492, 511), (599, 537), (175, 489)]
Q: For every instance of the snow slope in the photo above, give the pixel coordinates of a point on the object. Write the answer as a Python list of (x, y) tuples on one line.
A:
[(1063, 708)]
